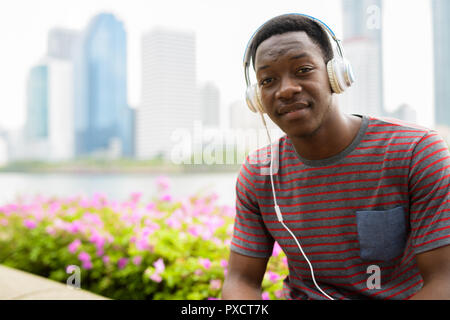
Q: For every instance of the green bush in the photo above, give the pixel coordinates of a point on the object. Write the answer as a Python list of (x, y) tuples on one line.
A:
[(160, 249)]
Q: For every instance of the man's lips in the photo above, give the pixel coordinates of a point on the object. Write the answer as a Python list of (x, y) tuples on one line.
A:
[(292, 107)]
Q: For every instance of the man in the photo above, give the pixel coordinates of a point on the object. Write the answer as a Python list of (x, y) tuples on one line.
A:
[(357, 192)]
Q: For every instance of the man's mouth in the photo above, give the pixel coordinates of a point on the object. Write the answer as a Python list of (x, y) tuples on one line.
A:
[(293, 107)]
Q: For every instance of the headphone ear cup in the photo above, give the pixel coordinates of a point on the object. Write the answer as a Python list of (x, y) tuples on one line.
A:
[(332, 77), (340, 75), (252, 97)]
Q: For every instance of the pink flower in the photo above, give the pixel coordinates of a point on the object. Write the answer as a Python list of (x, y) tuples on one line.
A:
[(70, 268), (137, 260), (87, 264), (206, 263), (142, 244), (166, 197), (228, 211), (122, 263), (105, 259), (136, 196), (198, 272), (91, 218), (150, 228), (265, 295), (30, 224), (150, 206), (279, 294), (194, 230), (215, 284), (75, 227), (50, 230), (74, 245), (97, 239), (285, 261), (159, 268), (223, 263), (156, 277), (273, 277), (53, 208), (84, 256), (174, 223), (100, 252), (159, 265), (3, 222), (276, 250)]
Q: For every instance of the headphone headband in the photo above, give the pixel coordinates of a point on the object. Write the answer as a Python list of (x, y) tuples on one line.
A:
[(326, 28)]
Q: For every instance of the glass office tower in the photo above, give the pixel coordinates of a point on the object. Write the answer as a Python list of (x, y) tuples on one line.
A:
[(102, 115), (441, 37)]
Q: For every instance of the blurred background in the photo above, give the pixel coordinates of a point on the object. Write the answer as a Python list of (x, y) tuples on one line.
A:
[(105, 96)]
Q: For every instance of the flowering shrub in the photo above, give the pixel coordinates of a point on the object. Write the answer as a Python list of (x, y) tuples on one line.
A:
[(160, 249)]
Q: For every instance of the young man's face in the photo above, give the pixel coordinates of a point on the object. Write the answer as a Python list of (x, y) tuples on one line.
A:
[(293, 81)]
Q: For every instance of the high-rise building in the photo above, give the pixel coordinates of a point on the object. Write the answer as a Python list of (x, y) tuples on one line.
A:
[(210, 104), (169, 100), (61, 43), (49, 125), (441, 37), (36, 123), (102, 115), (362, 18), (362, 42)]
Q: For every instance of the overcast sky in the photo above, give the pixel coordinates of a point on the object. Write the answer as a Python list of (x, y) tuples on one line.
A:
[(223, 29)]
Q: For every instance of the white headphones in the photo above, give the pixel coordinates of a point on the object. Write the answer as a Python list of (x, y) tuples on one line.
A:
[(340, 73)]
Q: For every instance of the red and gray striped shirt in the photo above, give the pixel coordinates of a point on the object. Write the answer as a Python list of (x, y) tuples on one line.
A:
[(380, 202)]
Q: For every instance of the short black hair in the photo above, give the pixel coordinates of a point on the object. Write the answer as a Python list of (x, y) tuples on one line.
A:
[(293, 22)]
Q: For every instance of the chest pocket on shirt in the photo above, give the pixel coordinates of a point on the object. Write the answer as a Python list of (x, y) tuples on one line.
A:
[(381, 234)]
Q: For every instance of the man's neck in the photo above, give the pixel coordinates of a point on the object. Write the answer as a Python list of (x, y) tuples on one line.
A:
[(336, 133)]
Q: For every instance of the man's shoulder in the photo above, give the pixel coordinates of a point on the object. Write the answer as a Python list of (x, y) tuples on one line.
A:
[(258, 160), (397, 124)]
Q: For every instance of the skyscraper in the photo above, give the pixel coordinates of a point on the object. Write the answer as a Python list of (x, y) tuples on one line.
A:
[(210, 104), (362, 44), (61, 43), (169, 100), (101, 107), (441, 37), (49, 124), (36, 124)]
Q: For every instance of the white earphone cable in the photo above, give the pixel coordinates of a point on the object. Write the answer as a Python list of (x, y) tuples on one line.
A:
[(279, 215)]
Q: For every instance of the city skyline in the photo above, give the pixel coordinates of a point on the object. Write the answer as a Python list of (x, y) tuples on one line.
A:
[(441, 28), (227, 73), (170, 92), (362, 40), (101, 114)]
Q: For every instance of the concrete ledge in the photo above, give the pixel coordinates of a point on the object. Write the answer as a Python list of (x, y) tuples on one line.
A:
[(20, 285)]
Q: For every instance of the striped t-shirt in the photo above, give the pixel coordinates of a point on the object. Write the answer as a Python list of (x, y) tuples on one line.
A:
[(379, 202)]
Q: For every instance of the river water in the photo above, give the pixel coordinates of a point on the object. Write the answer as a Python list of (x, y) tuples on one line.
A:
[(114, 186)]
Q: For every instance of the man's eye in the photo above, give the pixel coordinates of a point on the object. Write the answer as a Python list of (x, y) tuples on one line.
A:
[(266, 81), (303, 70)]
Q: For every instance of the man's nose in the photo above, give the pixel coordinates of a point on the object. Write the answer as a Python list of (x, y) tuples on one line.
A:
[(288, 88)]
